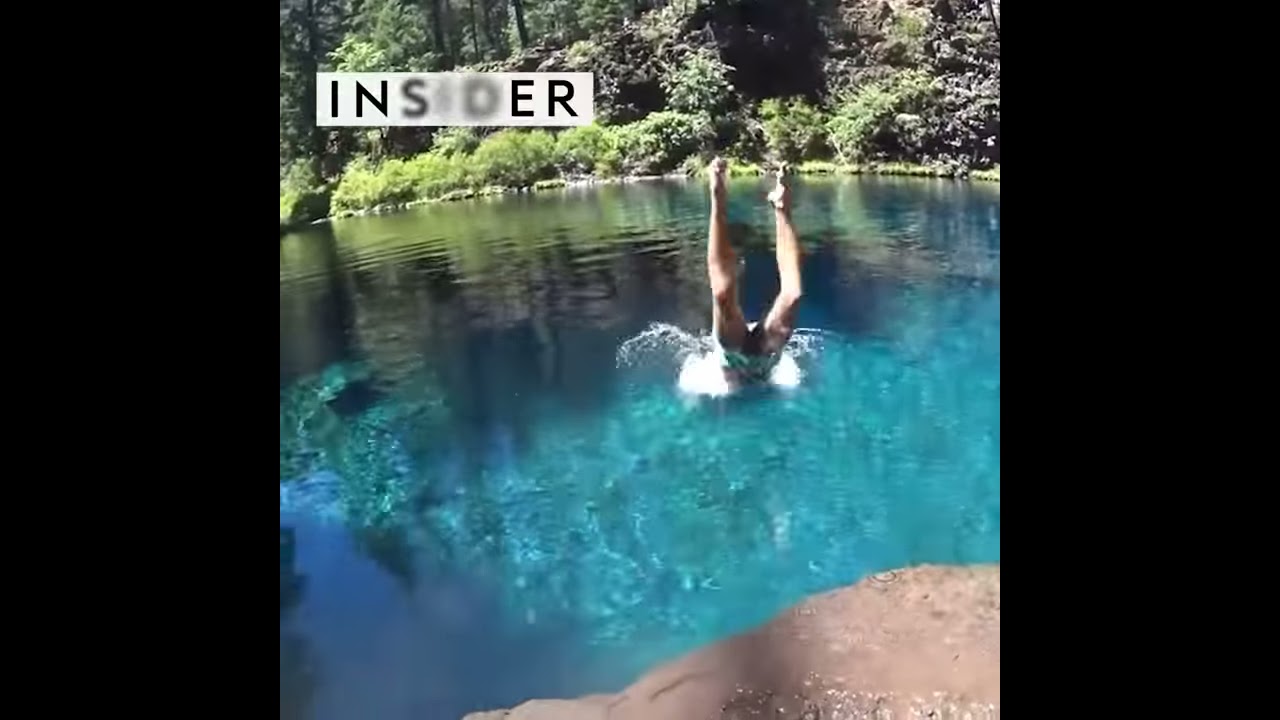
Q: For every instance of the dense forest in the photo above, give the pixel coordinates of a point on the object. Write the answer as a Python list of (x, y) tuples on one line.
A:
[(828, 85)]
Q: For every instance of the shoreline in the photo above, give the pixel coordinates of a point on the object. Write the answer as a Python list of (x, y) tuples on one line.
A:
[(736, 169)]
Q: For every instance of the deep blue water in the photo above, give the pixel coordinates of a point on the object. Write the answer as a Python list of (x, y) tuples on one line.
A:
[(486, 503)]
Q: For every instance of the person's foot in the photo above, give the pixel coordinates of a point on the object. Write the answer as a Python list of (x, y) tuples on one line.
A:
[(716, 171), (780, 196)]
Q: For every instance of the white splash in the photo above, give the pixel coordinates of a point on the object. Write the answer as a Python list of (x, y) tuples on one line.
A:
[(698, 362)]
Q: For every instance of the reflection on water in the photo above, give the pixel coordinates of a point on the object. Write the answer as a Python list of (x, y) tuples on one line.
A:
[(487, 507)]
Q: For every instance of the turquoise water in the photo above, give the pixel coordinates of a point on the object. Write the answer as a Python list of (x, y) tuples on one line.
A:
[(493, 490)]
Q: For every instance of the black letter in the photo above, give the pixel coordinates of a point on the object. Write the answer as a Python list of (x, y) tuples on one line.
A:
[(333, 98), (419, 101), (552, 99), (361, 94), (490, 90), (516, 97)]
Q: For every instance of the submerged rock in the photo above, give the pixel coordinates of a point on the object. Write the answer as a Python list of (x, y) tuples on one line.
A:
[(919, 642)]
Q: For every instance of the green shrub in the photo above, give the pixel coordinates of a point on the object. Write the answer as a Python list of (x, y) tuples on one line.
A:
[(698, 83), (793, 129), (451, 141), (820, 167), (905, 36), (659, 142), (609, 164), (881, 117), (365, 185), (514, 158), (303, 197), (436, 174), (990, 175), (581, 149)]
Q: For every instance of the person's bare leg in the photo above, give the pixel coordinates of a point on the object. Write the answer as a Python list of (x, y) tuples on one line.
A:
[(780, 322), (727, 321)]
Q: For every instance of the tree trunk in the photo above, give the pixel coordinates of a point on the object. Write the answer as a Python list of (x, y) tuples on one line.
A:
[(475, 36), (437, 32), (451, 31), (311, 65), (486, 23), (518, 5), (992, 12)]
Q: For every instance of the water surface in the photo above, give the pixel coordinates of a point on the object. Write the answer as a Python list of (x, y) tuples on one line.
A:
[(483, 500)]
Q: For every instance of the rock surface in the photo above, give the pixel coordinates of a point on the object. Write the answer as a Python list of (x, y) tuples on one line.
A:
[(922, 642)]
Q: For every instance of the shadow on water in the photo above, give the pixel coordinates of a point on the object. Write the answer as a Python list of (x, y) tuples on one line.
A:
[(486, 508), (441, 648)]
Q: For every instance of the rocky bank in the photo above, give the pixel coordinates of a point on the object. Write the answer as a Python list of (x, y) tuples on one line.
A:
[(921, 642)]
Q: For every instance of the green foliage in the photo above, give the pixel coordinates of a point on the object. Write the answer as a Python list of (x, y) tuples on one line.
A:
[(659, 142), (582, 54), (904, 38), (916, 88), (794, 130), (610, 163), (554, 21), (991, 175), (436, 174), (580, 149), (510, 158), (303, 196), (665, 25), (699, 83), (515, 158), (597, 16), (368, 185), (386, 35), (309, 30), (819, 167), (356, 55), (881, 116), (452, 141)]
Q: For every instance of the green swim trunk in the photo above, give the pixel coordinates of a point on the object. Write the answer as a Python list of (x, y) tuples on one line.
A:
[(750, 368)]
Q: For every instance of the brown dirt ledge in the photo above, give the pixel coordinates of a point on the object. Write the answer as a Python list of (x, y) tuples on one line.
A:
[(922, 642)]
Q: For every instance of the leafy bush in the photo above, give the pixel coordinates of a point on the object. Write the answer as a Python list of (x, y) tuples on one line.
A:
[(303, 196), (597, 16), (666, 24), (699, 83), (660, 141), (881, 117), (436, 174), (515, 158), (366, 185), (609, 164), (358, 55), (794, 130), (905, 36), (581, 149), (455, 141), (820, 167)]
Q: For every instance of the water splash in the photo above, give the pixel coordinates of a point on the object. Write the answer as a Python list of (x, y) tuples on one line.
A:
[(664, 346), (662, 343)]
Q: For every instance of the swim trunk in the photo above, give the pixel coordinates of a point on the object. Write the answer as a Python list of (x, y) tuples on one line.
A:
[(748, 368)]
